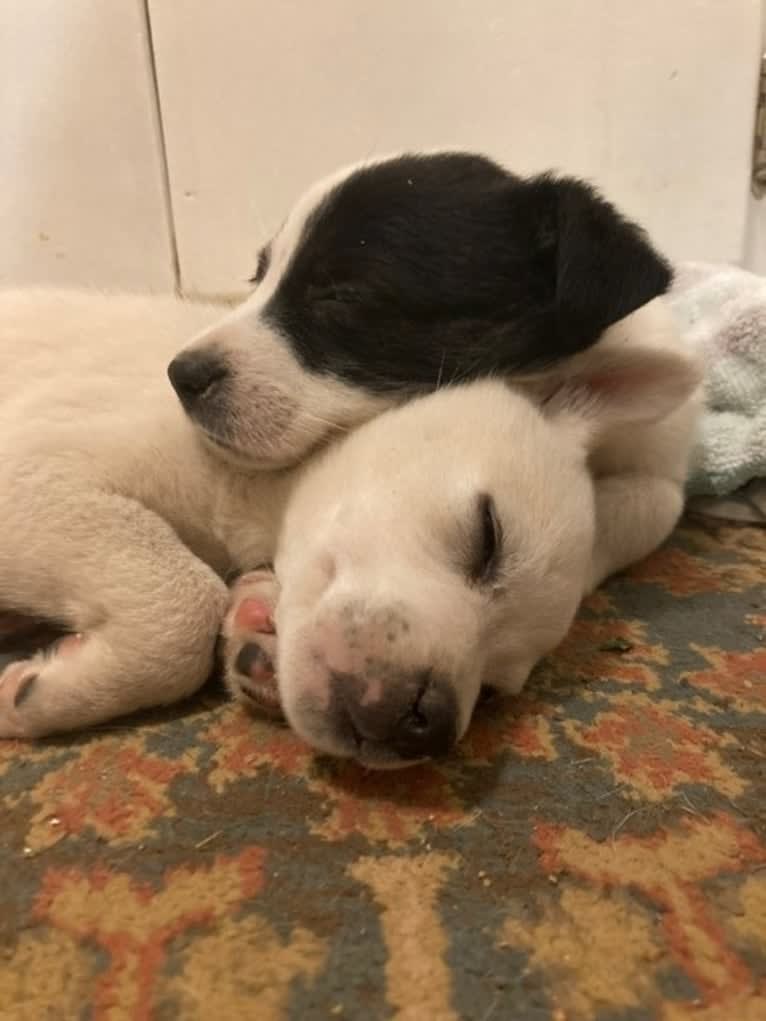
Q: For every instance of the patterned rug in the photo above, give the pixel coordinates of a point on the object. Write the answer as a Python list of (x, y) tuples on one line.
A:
[(596, 851)]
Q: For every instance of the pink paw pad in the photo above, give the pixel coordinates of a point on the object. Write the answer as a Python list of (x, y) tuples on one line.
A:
[(254, 615)]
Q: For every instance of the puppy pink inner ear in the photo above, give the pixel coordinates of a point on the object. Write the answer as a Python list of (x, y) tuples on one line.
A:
[(644, 391), (612, 386), (626, 386)]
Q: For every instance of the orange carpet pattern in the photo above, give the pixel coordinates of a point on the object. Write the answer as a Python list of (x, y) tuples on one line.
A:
[(595, 851)]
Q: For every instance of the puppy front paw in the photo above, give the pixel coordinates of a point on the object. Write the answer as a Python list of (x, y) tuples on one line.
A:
[(249, 642)]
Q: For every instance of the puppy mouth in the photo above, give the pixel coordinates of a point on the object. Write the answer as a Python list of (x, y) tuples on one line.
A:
[(263, 699), (340, 738), (208, 422), (349, 743), (380, 760), (218, 441), (375, 756)]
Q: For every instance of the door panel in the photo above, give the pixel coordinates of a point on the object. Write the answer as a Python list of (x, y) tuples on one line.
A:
[(81, 173)]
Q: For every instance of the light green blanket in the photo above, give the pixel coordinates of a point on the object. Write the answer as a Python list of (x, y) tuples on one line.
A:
[(722, 309)]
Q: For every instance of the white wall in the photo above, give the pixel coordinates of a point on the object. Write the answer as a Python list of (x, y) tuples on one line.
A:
[(81, 173), (654, 100)]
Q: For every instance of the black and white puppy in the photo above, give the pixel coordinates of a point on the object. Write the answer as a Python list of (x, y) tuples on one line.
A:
[(399, 276)]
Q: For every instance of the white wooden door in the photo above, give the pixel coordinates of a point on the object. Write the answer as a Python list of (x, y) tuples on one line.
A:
[(652, 99), (82, 197)]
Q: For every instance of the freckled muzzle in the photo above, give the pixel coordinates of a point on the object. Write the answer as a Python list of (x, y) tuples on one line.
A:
[(371, 690)]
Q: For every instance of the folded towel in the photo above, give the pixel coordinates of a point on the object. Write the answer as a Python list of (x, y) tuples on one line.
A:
[(722, 309), (746, 506)]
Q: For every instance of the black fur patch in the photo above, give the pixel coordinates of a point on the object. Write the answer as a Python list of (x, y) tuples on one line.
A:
[(428, 269)]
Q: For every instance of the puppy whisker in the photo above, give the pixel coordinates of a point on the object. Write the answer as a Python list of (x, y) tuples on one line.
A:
[(441, 370), (332, 424)]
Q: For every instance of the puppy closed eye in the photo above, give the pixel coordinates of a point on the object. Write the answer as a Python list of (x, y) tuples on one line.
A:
[(487, 543)]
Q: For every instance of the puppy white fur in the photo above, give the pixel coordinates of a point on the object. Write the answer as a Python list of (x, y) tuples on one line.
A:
[(443, 545)]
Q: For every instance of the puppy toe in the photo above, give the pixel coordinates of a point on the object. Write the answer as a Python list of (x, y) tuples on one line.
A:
[(254, 614), (252, 601)]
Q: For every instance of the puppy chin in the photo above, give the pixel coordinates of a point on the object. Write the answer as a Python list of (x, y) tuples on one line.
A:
[(247, 461)]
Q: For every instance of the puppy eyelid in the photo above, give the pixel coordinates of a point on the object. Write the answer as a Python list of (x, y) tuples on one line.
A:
[(488, 542)]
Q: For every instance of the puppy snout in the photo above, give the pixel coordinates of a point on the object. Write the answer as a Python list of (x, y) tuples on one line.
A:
[(415, 717), (196, 374)]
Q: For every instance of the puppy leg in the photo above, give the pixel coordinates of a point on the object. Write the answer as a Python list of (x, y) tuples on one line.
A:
[(634, 515), (249, 642), (144, 612)]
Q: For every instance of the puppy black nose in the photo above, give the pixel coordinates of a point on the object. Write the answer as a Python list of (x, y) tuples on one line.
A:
[(194, 373), (415, 717)]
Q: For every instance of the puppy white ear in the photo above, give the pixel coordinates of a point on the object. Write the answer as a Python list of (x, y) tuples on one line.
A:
[(623, 384)]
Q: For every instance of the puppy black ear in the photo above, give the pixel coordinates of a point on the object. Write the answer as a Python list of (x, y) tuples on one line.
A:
[(593, 264), (606, 266)]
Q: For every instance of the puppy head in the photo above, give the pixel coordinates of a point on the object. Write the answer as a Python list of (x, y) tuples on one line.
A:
[(397, 276), (444, 540), (442, 547)]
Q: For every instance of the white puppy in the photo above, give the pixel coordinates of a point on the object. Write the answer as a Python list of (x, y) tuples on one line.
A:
[(444, 545)]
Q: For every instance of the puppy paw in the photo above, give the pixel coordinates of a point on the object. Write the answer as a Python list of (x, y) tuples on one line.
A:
[(20, 686), (249, 642)]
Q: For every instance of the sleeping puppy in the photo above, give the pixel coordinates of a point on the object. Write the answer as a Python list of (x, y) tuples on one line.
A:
[(443, 545), (398, 276), (395, 277)]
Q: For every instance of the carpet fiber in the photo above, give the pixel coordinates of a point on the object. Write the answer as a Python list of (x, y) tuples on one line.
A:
[(596, 850)]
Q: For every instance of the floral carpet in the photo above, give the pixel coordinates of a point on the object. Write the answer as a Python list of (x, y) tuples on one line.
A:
[(596, 849)]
